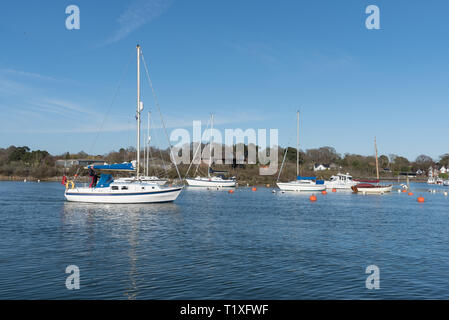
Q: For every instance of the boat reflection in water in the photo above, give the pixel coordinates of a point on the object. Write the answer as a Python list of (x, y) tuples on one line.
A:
[(111, 240)]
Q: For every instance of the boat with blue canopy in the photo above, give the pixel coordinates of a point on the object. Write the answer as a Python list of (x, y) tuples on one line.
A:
[(134, 190)]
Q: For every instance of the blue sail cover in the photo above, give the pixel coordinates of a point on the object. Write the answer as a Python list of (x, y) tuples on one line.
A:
[(306, 178), (126, 166), (105, 181)]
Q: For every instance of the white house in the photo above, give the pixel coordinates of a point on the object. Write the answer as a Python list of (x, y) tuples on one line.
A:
[(321, 167)]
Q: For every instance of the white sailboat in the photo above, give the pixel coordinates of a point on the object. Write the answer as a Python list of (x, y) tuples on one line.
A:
[(301, 183), (370, 188), (216, 181), (136, 191)]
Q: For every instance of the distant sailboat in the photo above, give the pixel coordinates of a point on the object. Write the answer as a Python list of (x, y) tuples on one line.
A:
[(136, 191), (211, 180), (301, 183), (372, 187)]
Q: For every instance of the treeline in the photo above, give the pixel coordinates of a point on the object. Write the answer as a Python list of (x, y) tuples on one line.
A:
[(40, 164), (22, 162)]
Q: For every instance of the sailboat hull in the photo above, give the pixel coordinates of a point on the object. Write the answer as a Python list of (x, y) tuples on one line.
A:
[(299, 187), (373, 189), (94, 195), (211, 183)]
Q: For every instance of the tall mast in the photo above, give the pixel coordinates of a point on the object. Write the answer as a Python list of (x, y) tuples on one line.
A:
[(210, 143), (148, 144), (297, 143), (138, 111), (377, 161), (145, 156)]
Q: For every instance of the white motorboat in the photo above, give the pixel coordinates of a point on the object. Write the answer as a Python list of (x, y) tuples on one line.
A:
[(446, 183), (340, 181), (431, 180), (133, 190), (217, 181)]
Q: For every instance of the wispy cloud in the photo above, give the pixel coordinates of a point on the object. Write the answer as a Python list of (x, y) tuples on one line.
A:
[(31, 75), (58, 105), (138, 14), (259, 50)]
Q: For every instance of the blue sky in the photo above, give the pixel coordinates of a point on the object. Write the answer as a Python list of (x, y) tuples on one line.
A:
[(251, 63)]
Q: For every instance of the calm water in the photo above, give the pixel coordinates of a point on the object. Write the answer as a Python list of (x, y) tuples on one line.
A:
[(215, 245)]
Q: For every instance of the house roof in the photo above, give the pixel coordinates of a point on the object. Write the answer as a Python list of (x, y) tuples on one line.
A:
[(322, 164)]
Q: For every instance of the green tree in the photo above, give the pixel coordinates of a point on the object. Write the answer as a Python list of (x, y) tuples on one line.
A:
[(19, 154), (401, 164), (384, 162), (444, 159), (423, 162)]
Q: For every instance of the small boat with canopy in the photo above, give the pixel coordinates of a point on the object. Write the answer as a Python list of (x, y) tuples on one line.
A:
[(340, 181)]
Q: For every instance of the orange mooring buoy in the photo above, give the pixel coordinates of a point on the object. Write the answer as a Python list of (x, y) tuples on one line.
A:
[(404, 190), (420, 199), (410, 193), (334, 190), (324, 192), (313, 198), (231, 191), (254, 189)]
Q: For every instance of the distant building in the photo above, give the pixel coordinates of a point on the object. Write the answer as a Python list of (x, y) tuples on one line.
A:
[(67, 163), (444, 170), (321, 167), (419, 172)]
